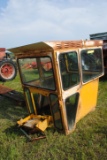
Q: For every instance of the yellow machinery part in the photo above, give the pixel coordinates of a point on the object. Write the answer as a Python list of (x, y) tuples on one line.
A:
[(36, 122)]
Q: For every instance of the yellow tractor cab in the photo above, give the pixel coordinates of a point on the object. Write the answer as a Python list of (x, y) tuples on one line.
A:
[(60, 82)]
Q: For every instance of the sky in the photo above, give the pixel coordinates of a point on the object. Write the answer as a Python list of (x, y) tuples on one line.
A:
[(24, 22)]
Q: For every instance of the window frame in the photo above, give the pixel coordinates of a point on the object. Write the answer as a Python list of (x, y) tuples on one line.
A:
[(79, 75), (102, 67), (26, 83)]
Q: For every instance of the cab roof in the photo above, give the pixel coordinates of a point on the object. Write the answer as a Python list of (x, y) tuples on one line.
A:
[(55, 45)]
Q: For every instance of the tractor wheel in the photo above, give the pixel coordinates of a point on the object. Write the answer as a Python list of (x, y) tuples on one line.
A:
[(8, 70)]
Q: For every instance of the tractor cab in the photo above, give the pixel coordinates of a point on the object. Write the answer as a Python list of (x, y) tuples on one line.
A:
[(60, 82)]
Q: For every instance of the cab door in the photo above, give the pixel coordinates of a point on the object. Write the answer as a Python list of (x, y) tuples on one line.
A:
[(92, 70), (70, 85)]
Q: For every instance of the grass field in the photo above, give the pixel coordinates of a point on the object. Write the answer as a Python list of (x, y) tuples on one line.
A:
[(87, 142)]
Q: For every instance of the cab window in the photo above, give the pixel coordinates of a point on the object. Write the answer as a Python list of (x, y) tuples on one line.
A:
[(91, 60), (37, 72), (69, 69)]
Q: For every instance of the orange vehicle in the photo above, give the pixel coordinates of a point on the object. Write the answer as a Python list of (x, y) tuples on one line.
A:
[(8, 70), (67, 91)]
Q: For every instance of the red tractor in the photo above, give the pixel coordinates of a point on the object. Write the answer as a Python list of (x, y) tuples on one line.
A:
[(8, 69)]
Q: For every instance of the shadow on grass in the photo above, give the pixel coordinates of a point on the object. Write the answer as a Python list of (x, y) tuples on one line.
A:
[(102, 130), (16, 131), (13, 130), (103, 78), (11, 110)]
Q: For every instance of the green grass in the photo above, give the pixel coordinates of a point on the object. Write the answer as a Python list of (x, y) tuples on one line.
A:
[(87, 142)]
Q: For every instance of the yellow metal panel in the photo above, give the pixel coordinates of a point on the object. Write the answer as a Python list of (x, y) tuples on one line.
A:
[(42, 125), (36, 90), (21, 121), (88, 98)]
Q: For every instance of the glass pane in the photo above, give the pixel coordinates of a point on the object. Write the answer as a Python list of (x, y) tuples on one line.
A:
[(69, 69), (56, 111), (91, 63), (71, 104), (42, 104), (29, 101), (37, 72), (28, 70)]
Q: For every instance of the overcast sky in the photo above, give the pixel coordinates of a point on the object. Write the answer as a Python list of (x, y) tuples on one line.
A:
[(28, 21)]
